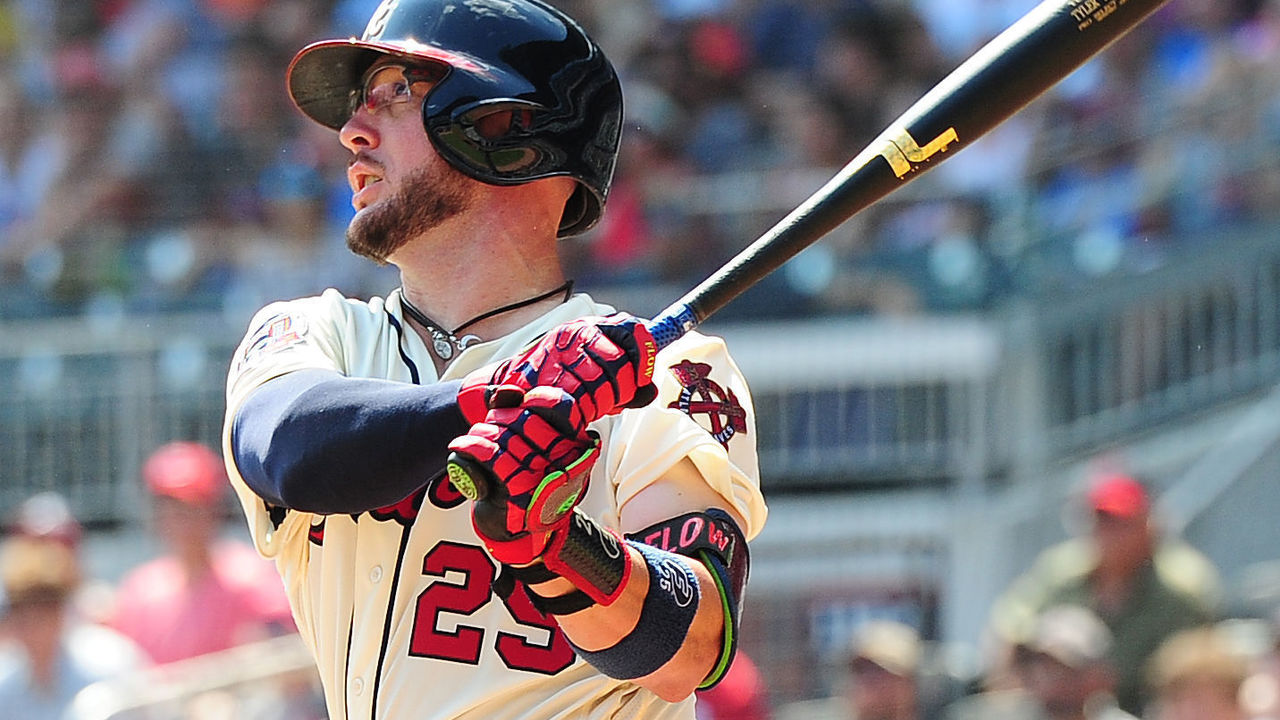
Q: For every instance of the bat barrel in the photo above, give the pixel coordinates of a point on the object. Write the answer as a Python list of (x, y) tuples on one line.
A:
[(1019, 65)]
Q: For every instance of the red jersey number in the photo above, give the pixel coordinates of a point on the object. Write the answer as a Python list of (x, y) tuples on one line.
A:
[(465, 643)]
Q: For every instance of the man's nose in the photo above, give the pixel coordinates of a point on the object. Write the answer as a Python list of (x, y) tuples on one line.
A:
[(357, 133)]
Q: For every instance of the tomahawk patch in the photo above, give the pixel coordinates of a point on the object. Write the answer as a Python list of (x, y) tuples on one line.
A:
[(700, 395), (277, 333)]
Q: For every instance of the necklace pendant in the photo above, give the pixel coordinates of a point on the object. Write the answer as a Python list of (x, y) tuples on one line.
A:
[(446, 344), (442, 347)]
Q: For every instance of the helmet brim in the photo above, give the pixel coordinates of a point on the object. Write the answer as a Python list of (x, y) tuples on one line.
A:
[(323, 74)]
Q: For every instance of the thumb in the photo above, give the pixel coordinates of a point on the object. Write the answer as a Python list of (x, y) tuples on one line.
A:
[(504, 396)]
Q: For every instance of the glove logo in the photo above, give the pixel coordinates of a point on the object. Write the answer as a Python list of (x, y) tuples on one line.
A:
[(608, 541), (703, 396)]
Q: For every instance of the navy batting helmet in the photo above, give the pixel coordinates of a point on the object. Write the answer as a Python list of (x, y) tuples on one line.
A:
[(495, 55)]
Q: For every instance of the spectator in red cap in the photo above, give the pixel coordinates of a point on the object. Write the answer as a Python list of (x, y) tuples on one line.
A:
[(1143, 585), (206, 594)]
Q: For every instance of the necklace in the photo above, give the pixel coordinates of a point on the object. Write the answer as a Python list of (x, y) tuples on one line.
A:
[(444, 343)]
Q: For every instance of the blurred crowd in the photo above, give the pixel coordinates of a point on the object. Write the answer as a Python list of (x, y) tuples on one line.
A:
[(1119, 622), (151, 161), (64, 629)]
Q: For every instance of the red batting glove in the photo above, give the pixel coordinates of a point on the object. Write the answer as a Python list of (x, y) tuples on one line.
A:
[(526, 469), (603, 364)]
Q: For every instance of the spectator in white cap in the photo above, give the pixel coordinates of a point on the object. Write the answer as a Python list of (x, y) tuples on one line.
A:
[(1062, 671), (1067, 666), (50, 657), (1199, 674), (879, 678), (884, 660)]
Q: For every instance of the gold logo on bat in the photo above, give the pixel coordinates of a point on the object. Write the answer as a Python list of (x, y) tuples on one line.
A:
[(903, 152)]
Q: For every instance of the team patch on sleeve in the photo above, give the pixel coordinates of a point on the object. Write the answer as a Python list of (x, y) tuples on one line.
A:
[(702, 396), (278, 332)]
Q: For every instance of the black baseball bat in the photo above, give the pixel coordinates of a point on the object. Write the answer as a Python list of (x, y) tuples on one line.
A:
[(1033, 54), (1050, 41)]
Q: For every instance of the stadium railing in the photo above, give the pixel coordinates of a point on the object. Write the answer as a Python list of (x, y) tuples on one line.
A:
[(269, 680), (840, 401)]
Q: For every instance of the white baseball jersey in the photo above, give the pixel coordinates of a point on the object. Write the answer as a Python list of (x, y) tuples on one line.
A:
[(396, 603)]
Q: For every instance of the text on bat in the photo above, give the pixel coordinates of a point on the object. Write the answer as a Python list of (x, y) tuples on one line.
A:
[(1087, 12), (903, 152)]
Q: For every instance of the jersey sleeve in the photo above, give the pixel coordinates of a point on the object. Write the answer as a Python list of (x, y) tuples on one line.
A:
[(288, 336), (283, 337), (704, 412)]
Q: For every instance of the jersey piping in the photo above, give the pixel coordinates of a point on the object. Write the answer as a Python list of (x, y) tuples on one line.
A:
[(413, 368), (390, 614)]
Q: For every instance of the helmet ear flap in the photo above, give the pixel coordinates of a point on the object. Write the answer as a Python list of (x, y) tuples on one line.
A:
[(576, 208)]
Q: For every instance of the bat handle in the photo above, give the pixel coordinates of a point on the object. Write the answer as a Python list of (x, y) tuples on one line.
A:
[(671, 324)]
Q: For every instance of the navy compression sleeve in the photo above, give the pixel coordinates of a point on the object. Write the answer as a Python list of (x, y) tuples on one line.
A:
[(318, 441)]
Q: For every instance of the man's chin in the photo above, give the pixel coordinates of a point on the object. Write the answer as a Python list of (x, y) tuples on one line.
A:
[(369, 239), (423, 204)]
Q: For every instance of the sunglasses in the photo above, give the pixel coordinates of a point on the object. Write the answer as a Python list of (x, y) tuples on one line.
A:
[(388, 85)]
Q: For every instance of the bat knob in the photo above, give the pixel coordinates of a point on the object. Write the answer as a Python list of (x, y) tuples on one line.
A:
[(468, 477)]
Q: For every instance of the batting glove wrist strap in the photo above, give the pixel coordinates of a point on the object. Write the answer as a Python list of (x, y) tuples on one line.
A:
[(538, 573), (566, 604), (505, 585), (534, 574), (669, 608), (591, 556)]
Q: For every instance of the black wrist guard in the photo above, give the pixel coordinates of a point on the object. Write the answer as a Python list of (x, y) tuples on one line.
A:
[(714, 538)]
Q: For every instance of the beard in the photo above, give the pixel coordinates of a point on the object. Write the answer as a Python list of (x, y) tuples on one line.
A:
[(425, 201)]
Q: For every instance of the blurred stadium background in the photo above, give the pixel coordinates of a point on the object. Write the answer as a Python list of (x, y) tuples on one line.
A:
[(1097, 283)]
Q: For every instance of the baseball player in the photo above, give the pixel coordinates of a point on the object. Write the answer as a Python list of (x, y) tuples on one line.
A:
[(585, 554)]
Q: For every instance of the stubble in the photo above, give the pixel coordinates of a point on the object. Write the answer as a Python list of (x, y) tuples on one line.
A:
[(426, 200)]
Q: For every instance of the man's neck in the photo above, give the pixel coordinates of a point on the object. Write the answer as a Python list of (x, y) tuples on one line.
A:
[(455, 282)]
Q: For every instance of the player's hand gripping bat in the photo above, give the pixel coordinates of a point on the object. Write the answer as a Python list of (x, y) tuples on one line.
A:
[(1006, 74), (1028, 58)]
